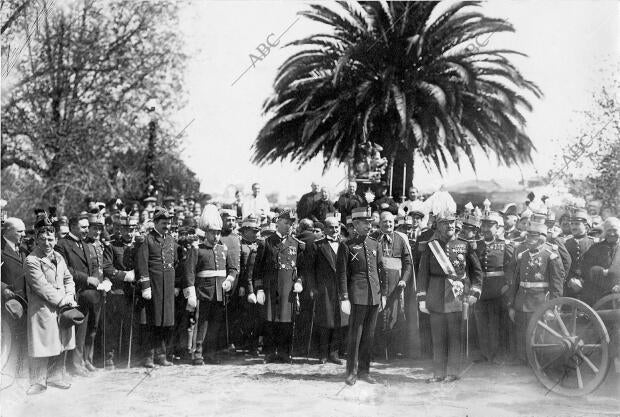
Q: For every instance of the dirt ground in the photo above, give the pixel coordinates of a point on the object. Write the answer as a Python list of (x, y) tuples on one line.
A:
[(244, 386)]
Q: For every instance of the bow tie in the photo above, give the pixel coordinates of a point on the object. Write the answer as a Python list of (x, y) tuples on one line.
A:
[(387, 237)]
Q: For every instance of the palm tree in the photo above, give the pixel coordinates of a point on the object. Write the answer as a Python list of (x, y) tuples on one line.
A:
[(410, 76)]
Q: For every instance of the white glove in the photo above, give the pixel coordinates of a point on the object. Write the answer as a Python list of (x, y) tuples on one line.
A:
[(252, 298), (423, 308), (345, 307), (297, 287), (260, 297), (575, 284), (192, 302), (105, 286), (68, 299), (241, 291), (176, 291), (130, 276), (146, 293), (227, 284)]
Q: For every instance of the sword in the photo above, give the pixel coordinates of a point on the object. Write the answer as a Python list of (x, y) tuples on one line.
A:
[(133, 308), (226, 319), (295, 311)]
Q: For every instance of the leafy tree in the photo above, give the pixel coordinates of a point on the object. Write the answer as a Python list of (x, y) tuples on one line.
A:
[(405, 75), (589, 163), (72, 119)]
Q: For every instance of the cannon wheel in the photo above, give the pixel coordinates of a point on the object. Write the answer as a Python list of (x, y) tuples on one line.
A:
[(610, 301), (568, 347), (6, 342)]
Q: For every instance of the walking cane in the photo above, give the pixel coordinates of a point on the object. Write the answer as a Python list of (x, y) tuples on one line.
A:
[(105, 299), (226, 320), (311, 326), (133, 308)]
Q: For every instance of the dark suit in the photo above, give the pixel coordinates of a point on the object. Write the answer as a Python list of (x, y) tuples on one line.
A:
[(13, 278), (77, 257), (324, 283), (359, 267)]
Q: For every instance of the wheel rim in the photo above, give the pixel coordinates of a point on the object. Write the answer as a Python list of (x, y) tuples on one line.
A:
[(568, 346)]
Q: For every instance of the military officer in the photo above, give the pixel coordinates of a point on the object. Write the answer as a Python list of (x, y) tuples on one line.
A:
[(495, 256), (577, 245), (252, 322), (363, 292), (277, 287), (509, 215), (554, 239), (231, 239), (449, 275), (210, 273), (118, 267), (156, 259), (398, 268), (537, 277)]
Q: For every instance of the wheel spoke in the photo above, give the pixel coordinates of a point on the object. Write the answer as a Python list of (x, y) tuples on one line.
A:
[(579, 379), (546, 345), (591, 346), (589, 362), (550, 330), (561, 323), (574, 320)]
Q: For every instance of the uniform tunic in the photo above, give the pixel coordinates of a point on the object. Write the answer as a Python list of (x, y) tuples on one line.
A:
[(602, 255), (433, 283), (538, 277), (275, 272), (156, 259), (576, 247)]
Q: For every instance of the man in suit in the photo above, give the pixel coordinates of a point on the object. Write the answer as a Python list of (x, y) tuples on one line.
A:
[(363, 289), (13, 282), (277, 286), (76, 253), (323, 282)]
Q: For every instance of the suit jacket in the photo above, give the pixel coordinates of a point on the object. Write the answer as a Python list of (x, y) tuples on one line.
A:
[(359, 267), (323, 280), (77, 259), (601, 256), (47, 285), (13, 269)]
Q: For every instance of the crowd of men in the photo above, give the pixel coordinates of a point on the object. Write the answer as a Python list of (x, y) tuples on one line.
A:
[(183, 283)]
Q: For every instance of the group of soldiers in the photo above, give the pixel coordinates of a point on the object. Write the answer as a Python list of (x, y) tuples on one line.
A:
[(211, 282)]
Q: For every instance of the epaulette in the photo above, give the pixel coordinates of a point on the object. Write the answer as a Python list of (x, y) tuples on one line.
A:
[(552, 253)]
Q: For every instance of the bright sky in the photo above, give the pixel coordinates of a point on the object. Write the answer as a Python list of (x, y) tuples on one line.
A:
[(571, 47)]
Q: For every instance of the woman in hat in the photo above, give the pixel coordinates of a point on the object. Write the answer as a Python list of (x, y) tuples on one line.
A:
[(49, 286)]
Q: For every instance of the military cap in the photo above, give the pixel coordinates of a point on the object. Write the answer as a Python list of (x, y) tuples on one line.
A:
[(250, 222), (349, 220), (169, 198), (493, 216), (286, 215), (509, 209), (43, 222), (538, 218), (361, 213), (228, 213), (534, 227), (96, 218), (150, 200), (161, 214), (471, 220), (580, 214), (445, 216)]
